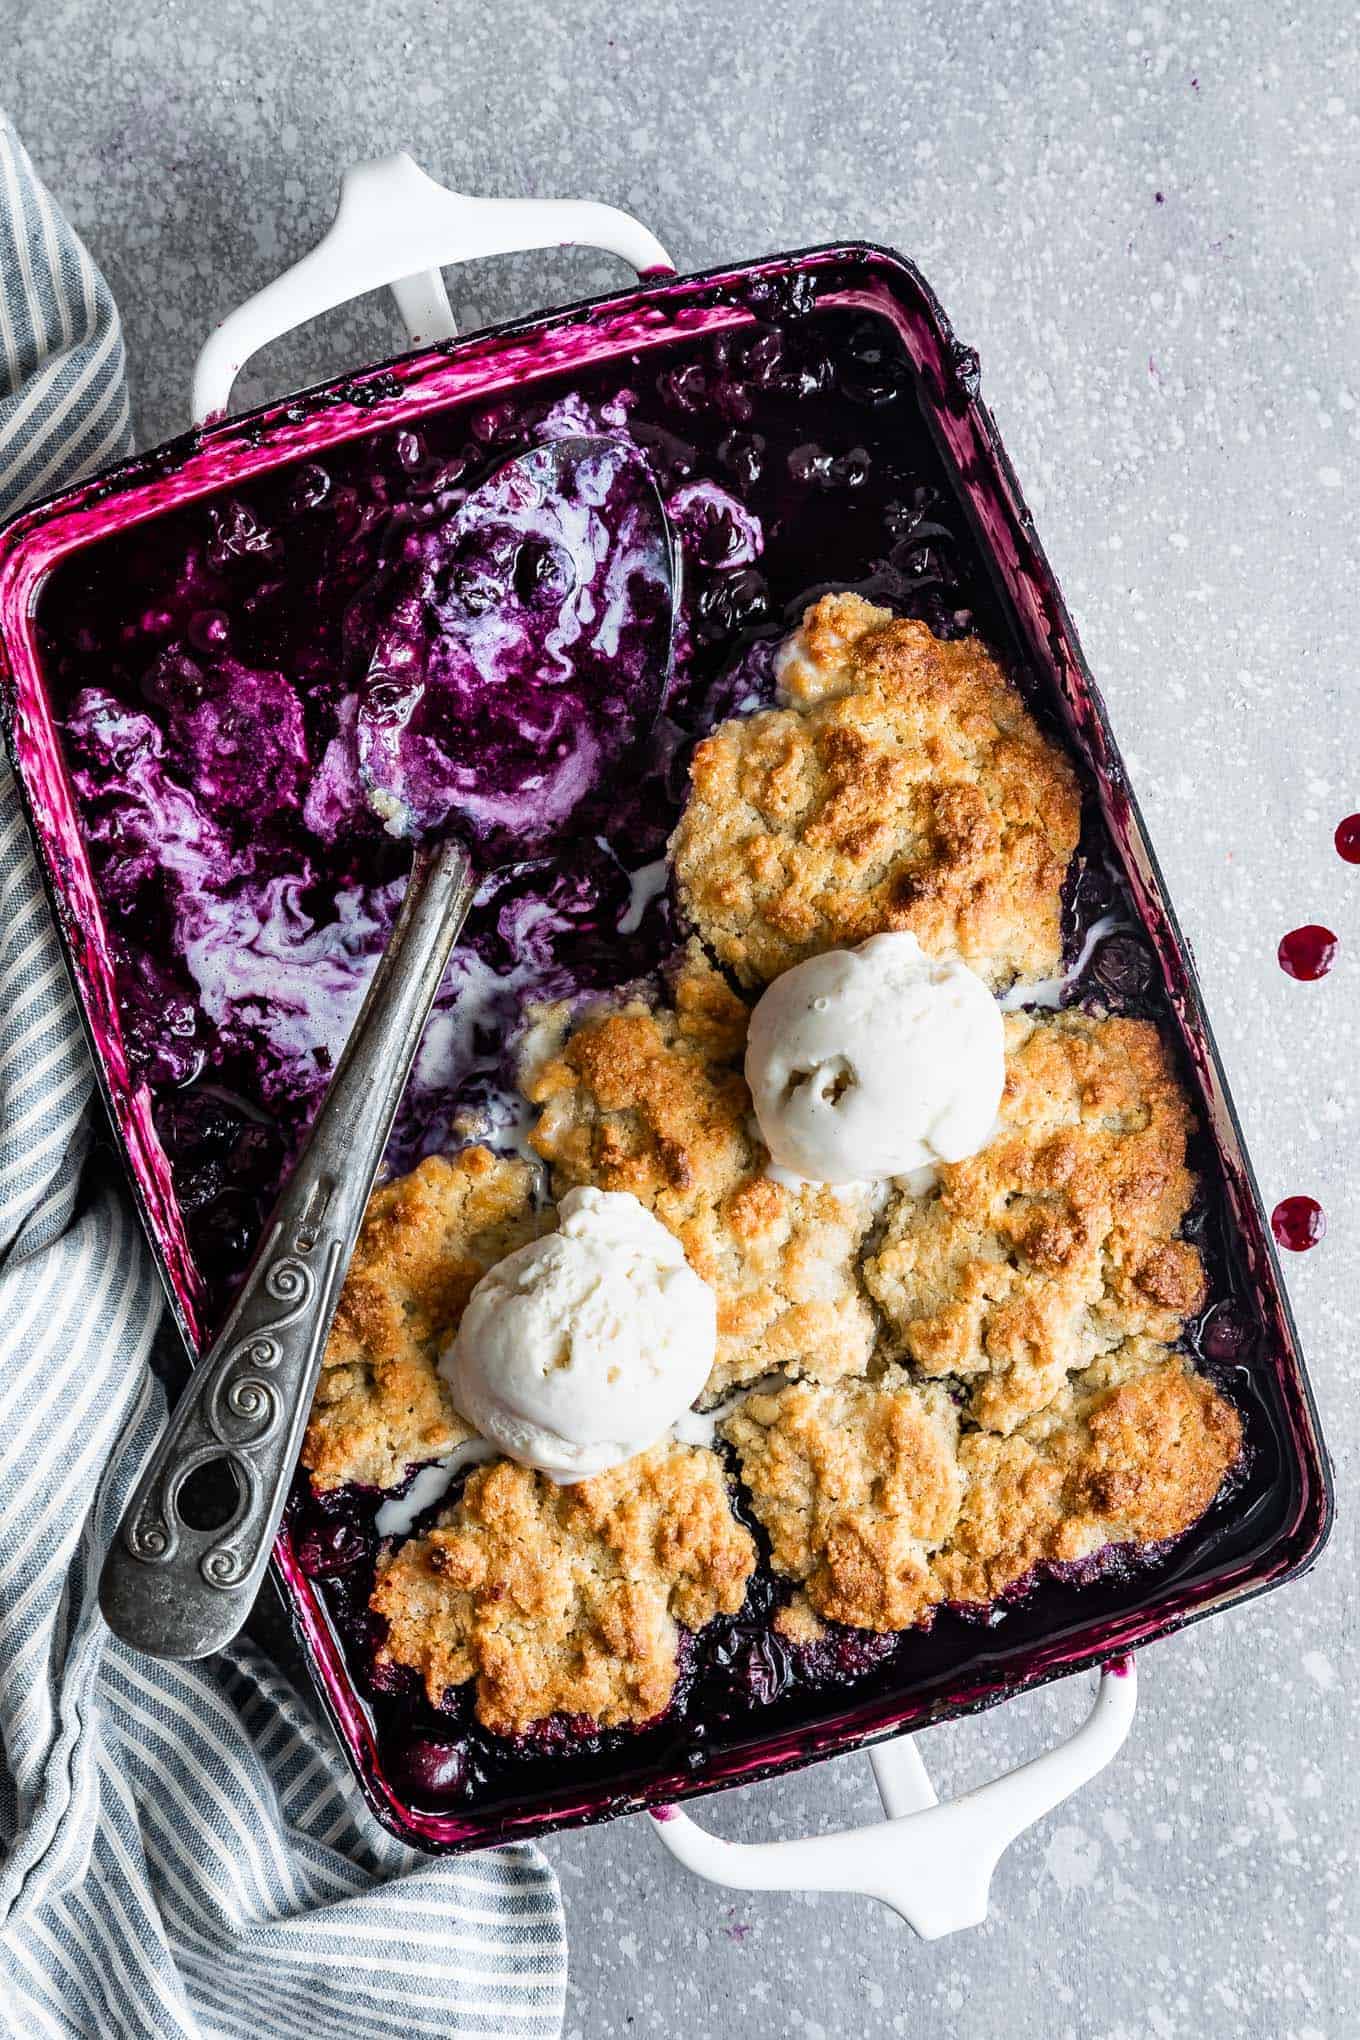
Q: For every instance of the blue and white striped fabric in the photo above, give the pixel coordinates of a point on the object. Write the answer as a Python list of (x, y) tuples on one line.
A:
[(182, 1851)]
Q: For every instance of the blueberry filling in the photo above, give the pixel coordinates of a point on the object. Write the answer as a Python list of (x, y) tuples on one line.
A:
[(520, 653), (208, 667)]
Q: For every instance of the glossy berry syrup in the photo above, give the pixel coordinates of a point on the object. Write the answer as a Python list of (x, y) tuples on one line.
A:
[(207, 666)]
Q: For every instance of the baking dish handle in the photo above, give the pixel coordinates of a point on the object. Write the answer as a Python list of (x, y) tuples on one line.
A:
[(395, 226), (931, 1863)]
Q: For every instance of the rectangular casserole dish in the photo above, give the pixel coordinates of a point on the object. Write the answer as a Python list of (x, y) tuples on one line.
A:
[(1274, 1523)]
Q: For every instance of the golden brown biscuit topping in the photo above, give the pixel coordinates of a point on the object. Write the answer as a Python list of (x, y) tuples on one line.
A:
[(856, 1484), (567, 1600), (907, 787), (879, 1509), (1058, 1239), (427, 1240), (1133, 1452)]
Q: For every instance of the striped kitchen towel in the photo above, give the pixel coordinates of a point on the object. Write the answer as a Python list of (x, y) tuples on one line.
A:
[(182, 1850)]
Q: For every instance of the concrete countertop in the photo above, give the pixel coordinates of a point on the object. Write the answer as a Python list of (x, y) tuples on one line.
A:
[(1144, 219)]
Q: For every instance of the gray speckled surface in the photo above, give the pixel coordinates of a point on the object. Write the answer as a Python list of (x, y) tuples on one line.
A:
[(1176, 377)]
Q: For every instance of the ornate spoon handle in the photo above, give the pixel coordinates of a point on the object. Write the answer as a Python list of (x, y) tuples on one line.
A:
[(181, 1592)]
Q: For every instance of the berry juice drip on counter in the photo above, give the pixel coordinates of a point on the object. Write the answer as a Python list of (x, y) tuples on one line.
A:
[(1307, 952), (1298, 1223), (1347, 839)]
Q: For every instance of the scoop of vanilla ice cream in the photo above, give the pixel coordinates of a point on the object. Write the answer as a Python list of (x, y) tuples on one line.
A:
[(579, 1350), (873, 1062)]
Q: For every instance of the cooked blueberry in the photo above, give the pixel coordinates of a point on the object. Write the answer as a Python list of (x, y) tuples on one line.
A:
[(544, 575), (438, 477), (686, 388), (918, 560), (238, 536), (900, 519), (731, 602), (1225, 1335), (331, 1547), (1122, 966), (809, 464), (671, 458), (967, 370), (765, 358), (226, 1231), (474, 590), (209, 629), (388, 701), (173, 679), (386, 1677), (555, 1735), (850, 470), (717, 537), (165, 1051), (790, 295), (809, 379), (311, 486), (733, 400), (903, 516), (743, 455), (800, 293), (430, 1769), (756, 1668), (495, 422), (1195, 1224), (875, 373), (348, 512)]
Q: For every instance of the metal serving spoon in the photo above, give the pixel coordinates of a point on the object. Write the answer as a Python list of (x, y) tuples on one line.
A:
[(525, 649)]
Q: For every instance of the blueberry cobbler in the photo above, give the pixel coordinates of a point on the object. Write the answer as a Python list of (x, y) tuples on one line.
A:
[(793, 1251)]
